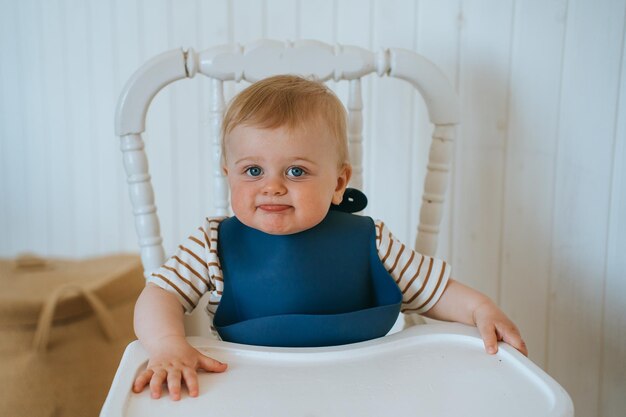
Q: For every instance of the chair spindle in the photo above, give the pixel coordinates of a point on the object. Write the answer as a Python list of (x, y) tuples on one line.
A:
[(142, 200), (220, 204)]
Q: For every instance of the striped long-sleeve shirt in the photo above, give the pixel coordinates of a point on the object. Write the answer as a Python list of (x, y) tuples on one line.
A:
[(195, 270)]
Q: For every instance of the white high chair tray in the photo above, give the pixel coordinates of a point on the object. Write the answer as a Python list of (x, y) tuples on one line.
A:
[(427, 370)]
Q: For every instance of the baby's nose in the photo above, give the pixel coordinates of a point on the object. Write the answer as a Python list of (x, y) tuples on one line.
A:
[(274, 186)]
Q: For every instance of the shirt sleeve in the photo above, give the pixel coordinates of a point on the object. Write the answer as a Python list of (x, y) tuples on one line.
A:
[(421, 279), (194, 268)]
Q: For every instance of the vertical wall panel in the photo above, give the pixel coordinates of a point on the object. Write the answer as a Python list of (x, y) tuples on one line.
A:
[(613, 371), (160, 146), (438, 40), (60, 207), (316, 20), (533, 117), (420, 139), (484, 82), (353, 20), (185, 132), (127, 35), (248, 26), (14, 147), (281, 18), (214, 30), (391, 147), (28, 39), (586, 135), (248, 20), (5, 230), (215, 25), (108, 178), (80, 121)]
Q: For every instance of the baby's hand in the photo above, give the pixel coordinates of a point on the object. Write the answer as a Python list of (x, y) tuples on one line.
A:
[(174, 362), (494, 325)]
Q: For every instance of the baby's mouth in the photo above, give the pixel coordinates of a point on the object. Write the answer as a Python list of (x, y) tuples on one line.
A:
[(274, 208)]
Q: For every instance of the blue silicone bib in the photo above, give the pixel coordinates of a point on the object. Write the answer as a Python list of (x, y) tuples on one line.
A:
[(324, 286)]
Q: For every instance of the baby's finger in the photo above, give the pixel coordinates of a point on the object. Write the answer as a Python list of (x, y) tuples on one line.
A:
[(211, 365), (490, 339), (142, 380), (513, 338), (191, 381), (173, 384), (156, 383)]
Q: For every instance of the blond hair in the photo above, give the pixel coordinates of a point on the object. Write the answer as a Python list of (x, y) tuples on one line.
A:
[(289, 101)]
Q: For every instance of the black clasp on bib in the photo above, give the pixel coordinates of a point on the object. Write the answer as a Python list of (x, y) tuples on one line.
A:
[(353, 201)]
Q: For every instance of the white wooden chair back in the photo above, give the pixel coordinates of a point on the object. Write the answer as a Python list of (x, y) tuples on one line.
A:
[(262, 59)]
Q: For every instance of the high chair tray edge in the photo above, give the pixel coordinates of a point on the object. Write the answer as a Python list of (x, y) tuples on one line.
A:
[(426, 370)]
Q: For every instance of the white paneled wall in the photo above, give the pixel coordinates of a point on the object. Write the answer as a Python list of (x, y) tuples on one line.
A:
[(536, 215)]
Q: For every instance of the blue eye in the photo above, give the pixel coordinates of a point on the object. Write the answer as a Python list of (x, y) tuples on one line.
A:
[(295, 172), (254, 171)]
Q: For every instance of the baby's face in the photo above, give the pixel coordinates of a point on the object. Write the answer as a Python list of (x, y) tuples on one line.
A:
[(283, 181)]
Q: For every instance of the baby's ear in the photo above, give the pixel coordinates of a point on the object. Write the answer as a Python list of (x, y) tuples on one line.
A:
[(345, 173)]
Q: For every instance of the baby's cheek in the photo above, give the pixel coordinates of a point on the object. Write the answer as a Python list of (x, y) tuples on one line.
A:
[(239, 206), (316, 212)]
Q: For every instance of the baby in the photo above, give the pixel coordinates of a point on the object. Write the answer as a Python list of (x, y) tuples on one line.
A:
[(290, 268)]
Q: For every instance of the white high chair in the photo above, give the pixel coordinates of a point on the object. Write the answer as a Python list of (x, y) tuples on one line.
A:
[(325, 381), (260, 60)]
